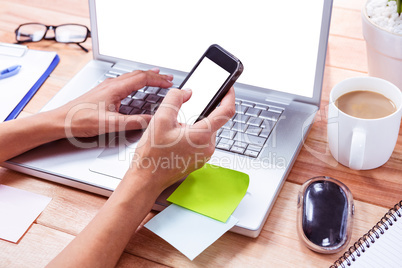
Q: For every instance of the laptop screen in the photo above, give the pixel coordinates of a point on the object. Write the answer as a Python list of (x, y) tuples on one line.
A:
[(277, 41)]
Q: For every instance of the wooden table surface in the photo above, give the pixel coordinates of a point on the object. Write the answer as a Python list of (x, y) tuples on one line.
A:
[(278, 245)]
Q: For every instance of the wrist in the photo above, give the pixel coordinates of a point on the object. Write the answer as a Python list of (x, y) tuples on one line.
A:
[(53, 123), (145, 179)]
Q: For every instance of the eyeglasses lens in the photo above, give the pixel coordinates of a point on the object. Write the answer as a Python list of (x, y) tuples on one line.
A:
[(30, 32), (71, 33)]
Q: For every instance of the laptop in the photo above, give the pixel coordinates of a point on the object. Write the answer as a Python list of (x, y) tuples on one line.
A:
[(282, 45)]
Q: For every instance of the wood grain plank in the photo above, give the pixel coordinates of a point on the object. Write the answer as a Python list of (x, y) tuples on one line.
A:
[(80, 7), (347, 53), (350, 4), (128, 260), (14, 13), (346, 23), (36, 249), (41, 244)]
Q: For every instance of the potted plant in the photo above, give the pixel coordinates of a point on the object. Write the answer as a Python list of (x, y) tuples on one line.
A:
[(382, 30)]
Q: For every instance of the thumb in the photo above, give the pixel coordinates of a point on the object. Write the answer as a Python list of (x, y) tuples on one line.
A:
[(173, 101)]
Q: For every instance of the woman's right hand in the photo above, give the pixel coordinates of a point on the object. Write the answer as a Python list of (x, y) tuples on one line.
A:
[(169, 150)]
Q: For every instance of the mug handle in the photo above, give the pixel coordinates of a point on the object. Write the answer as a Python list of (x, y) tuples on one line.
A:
[(357, 149)]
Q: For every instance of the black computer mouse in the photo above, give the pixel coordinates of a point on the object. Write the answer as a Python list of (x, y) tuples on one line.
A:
[(325, 214)]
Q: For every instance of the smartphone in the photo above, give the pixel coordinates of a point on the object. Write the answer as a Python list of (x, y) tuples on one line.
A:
[(210, 79)]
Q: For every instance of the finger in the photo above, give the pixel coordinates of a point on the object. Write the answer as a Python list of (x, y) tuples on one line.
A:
[(155, 70), (221, 114), (127, 122), (172, 103), (138, 80), (168, 77)]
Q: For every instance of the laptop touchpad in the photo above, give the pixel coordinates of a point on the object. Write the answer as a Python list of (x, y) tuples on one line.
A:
[(115, 159)]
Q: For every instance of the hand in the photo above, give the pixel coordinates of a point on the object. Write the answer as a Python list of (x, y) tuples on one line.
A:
[(170, 150), (96, 112)]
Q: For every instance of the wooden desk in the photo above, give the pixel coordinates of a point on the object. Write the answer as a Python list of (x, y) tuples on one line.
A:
[(278, 244)]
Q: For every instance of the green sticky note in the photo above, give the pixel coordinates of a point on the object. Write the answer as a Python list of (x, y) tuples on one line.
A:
[(212, 191)]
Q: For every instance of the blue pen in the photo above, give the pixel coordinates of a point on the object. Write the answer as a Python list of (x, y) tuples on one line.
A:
[(10, 71)]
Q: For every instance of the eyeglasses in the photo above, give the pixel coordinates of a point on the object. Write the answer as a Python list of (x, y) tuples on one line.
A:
[(65, 33)]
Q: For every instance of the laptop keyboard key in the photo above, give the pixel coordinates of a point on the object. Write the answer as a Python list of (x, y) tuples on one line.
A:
[(254, 148), (265, 132), (228, 134), (253, 112), (251, 139), (246, 103), (223, 146), (241, 109), (229, 124), (152, 90), (241, 118), (237, 149), (137, 103), (163, 92), (268, 124), (152, 98), (253, 130), (254, 121), (126, 101), (275, 110), (139, 95), (270, 115), (136, 111), (239, 127), (125, 109), (251, 153), (150, 106), (224, 140), (261, 106), (241, 144)]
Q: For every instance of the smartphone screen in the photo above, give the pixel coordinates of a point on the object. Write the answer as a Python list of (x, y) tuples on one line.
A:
[(204, 82)]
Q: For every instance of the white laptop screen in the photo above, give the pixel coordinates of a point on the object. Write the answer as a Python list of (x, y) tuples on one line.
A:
[(277, 41)]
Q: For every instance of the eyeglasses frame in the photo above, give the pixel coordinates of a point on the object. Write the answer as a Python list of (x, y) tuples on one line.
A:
[(52, 27)]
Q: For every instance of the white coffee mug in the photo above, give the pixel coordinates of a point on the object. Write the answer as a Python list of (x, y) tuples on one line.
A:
[(363, 143)]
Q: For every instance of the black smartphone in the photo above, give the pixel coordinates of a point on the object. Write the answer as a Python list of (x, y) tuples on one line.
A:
[(210, 79)]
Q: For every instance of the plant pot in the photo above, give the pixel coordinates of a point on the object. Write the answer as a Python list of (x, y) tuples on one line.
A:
[(384, 51)]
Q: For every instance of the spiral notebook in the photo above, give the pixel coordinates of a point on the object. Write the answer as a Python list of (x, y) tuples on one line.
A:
[(381, 246)]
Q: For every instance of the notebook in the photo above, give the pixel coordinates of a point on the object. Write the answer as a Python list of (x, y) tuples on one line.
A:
[(283, 76), (381, 246), (16, 91)]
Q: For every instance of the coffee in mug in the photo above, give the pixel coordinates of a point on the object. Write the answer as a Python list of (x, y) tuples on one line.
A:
[(364, 117), (365, 104)]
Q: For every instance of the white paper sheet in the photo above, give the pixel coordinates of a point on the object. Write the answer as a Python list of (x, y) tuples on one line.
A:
[(189, 232), (18, 210), (33, 63)]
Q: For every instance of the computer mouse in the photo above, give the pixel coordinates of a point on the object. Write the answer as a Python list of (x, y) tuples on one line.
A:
[(325, 214)]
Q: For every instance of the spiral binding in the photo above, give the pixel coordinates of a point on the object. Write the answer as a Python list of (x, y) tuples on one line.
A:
[(363, 242)]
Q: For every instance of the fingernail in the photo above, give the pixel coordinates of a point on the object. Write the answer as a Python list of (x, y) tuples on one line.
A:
[(155, 69), (187, 89), (170, 76)]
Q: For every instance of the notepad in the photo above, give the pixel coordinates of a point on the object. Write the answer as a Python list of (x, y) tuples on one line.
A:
[(381, 246), (212, 191), (16, 91)]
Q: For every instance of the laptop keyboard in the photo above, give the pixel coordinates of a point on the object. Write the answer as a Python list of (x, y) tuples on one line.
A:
[(245, 134), (143, 101)]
